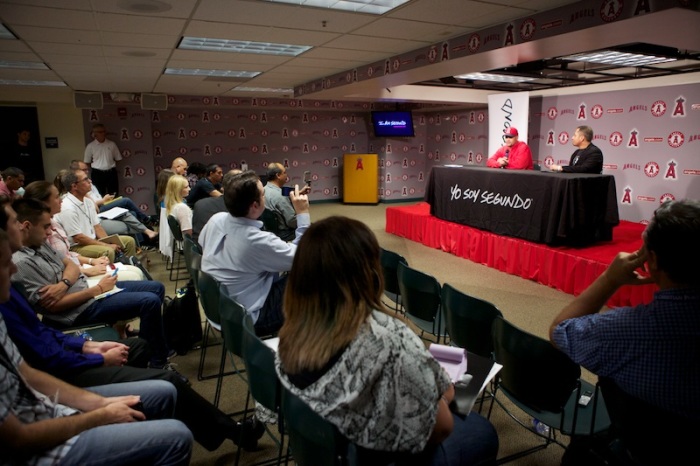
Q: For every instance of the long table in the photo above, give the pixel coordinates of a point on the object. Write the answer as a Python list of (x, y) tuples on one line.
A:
[(552, 208)]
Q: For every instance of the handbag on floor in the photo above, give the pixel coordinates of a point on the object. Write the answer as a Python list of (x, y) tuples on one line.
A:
[(181, 319)]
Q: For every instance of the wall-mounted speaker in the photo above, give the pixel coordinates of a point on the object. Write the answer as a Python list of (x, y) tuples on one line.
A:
[(91, 100), (154, 101)]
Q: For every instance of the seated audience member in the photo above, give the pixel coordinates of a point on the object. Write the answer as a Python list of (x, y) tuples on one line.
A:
[(89, 363), (108, 201), (178, 188), (336, 331), (179, 166), (205, 208), (165, 237), (513, 155), (587, 158), (44, 420), (195, 172), (80, 221), (278, 203), (57, 289), (92, 268), (246, 260), (649, 352), (208, 186), (12, 180)]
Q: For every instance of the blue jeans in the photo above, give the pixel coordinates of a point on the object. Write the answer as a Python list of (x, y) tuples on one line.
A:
[(473, 441), (156, 441), (127, 204), (143, 299)]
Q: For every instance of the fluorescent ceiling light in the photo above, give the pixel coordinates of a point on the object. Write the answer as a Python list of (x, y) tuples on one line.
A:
[(5, 33), (263, 89), (26, 82), (241, 46), (218, 73), (25, 65), (500, 78), (374, 7), (613, 57)]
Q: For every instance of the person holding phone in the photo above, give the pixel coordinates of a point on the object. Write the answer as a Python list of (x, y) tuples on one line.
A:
[(277, 202)]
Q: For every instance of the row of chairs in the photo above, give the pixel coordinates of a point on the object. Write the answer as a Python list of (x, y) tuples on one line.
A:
[(537, 378), (311, 439)]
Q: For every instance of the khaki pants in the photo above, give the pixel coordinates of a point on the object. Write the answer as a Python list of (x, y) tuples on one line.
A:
[(92, 250)]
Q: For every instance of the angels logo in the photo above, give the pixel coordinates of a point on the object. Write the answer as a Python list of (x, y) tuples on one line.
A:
[(387, 192), (462, 137), (527, 29), (388, 163), (93, 115), (232, 133), (396, 64), (263, 117), (479, 157), (481, 117), (597, 111), (679, 109), (156, 134), (671, 171), (335, 134), (634, 140), (314, 147), (126, 153), (348, 77), (285, 148), (206, 100), (581, 112), (193, 133), (253, 117), (610, 10), (616, 139), (548, 161), (263, 102), (552, 113), (207, 150), (387, 178), (454, 119), (264, 133), (666, 197), (658, 108), (140, 171), (155, 116), (438, 138), (182, 150), (124, 134), (353, 133), (509, 39), (314, 118), (180, 116), (411, 191), (181, 133), (445, 52), (129, 190), (143, 207), (305, 148), (563, 137), (295, 133), (627, 196), (157, 152), (453, 137), (254, 149), (676, 139), (405, 149), (326, 191), (404, 191), (651, 169), (412, 163), (388, 149), (285, 117), (550, 138), (432, 54), (218, 149), (370, 72), (404, 163), (453, 156), (235, 101), (430, 156)]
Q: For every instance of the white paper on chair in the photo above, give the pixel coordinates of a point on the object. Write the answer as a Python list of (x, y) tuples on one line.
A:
[(452, 359), (112, 213)]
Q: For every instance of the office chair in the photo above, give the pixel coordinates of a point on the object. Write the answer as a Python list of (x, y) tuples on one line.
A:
[(176, 246), (390, 262), (421, 298), (545, 384)]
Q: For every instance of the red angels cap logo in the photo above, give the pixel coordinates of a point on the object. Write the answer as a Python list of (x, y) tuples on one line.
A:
[(616, 139), (666, 197), (474, 43), (651, 169), (552, 113), (658, 108), (676, 139), (597, 111), (610, 10), (563, 137)]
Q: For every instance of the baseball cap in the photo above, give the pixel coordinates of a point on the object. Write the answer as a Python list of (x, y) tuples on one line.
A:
[(512, 131)]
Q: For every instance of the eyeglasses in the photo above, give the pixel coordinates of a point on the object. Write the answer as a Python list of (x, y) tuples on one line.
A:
[(508, 136), (84, 179)]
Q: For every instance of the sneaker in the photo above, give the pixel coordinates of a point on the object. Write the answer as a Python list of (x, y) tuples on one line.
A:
[(168, 366), (251, 430)]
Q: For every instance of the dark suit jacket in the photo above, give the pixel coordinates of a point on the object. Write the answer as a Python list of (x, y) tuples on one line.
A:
[(203, 211), (590, 160)]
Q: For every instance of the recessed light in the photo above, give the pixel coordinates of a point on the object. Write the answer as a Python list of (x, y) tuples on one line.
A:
[(241, 46), (139, 53), (24, 65), (144, 6), (263, 89), (374, 7), (614, 57), (501, 78), (26, 82), (219, 73)]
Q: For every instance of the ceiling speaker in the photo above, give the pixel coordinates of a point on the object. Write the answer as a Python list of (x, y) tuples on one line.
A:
[(91, 100), (154, 101)]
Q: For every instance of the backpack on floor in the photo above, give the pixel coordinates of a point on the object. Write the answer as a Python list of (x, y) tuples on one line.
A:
[(181, 319)]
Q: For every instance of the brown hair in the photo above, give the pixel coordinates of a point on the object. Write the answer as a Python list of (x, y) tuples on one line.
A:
[(334, 285)]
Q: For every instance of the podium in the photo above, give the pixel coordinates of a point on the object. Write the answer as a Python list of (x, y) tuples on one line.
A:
[(361, 179)]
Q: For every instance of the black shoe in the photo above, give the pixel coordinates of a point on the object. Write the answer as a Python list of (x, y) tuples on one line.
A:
[(250, 432), (168, 366)]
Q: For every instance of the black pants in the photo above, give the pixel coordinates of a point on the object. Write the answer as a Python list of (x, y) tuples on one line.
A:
[(106, 181), (209, 426), (271, 318)]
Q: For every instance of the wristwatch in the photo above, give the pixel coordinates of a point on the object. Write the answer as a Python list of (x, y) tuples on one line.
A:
[(67, 282)]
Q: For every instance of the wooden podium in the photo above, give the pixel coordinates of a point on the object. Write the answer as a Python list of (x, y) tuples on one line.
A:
[(361, 178)]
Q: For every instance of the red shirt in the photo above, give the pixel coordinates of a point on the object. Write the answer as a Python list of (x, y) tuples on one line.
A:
[(519, 157)]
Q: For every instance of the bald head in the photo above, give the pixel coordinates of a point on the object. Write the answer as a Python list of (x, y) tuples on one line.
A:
[(179, 166)]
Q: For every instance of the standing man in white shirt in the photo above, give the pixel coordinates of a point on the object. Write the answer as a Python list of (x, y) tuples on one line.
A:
[(102, 155)]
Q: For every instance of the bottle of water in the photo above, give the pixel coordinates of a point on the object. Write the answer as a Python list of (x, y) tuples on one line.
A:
[(84, 335), (540, 427)]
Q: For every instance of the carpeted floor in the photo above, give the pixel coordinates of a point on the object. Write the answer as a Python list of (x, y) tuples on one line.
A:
[(527, 304)]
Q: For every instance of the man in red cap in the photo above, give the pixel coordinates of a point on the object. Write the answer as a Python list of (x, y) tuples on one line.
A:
[(514, 154)]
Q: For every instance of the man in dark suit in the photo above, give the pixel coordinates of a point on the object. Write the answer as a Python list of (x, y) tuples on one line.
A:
[(205, 208), (587, 158)]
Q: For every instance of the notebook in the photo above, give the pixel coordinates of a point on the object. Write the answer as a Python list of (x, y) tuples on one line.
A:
[(452, 359)]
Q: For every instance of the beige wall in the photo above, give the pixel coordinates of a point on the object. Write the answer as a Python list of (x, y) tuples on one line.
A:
[(64, 121)]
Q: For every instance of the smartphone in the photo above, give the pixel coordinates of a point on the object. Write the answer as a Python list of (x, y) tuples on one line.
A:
[(307, 177), (585, 398)]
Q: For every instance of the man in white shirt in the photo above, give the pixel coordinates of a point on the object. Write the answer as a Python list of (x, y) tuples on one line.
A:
[(79, 219), (247, 261), (102, 155)]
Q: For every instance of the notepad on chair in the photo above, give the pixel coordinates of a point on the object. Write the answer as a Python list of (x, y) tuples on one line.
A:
[(114, 290), (112, 239), (452, 359)]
